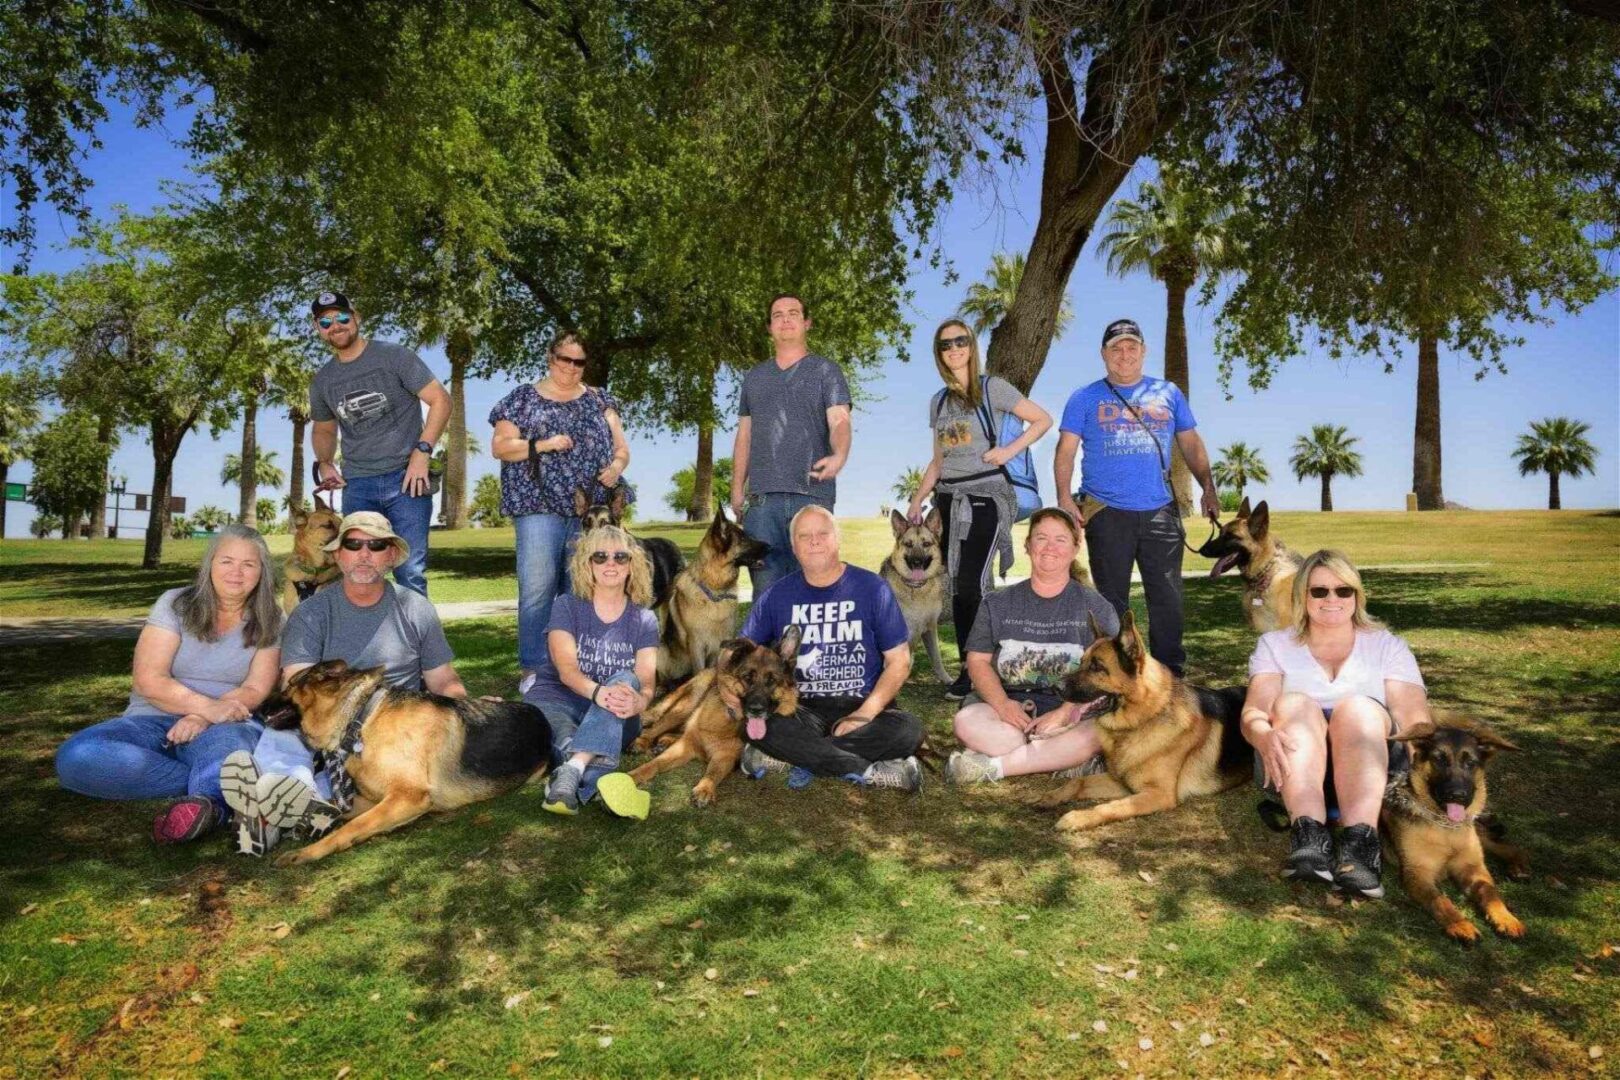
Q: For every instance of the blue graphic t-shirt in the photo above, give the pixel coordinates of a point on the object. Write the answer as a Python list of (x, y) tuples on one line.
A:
[(605, 649), (1119, 462), (848, 626)]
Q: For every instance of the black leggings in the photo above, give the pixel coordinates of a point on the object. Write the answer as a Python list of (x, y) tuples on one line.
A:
[(978, 546)]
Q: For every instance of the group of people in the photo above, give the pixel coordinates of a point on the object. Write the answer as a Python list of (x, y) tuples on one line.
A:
[(1325, 694)]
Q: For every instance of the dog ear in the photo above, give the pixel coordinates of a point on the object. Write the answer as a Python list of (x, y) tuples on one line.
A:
[(1260, 521), (719, 515), (729, 650), (581, 503), (899, 523), (1243, 508), (299, 517), (1097, 633), (1129, 640), (1422, 731), (620, 499), (935, 523), (319, 504), (788, 647)]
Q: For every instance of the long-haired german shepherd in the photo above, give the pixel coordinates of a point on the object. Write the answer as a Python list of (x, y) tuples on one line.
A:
[(310, 566), (662, 554), (915, 571), (1434, 819), (702, 609), (416, 752), (1164, 740), (760, 677), (1268, 567)]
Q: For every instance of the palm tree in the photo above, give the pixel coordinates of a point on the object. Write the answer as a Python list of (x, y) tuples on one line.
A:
[(1326, 453), (265, 470), (1556, 446), (1174, 230), (1239, 464), (908, 483), (988, 300)]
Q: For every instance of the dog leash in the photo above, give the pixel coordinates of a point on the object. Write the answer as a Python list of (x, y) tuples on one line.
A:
[(1164, 469)]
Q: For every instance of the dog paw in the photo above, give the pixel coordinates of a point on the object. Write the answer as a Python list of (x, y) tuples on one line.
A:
[(641, 745), (1463, 930), (702, 795), (1078, 820), (1507, 924), (289, 858), (1519, 871)]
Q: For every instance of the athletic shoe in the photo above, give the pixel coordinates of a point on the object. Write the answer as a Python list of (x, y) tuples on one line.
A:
[(1310, 857), (286, 801), (755, 763), (562, 791), (185, 820), (971, 767), (903, 773), (525, 683), (255, 836), (961, 688), (621, 796), (319, 819), (1358, 862), (1092, 766), (239, 782)]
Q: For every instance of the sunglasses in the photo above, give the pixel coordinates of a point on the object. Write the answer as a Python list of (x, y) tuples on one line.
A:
[(342, 318), (577, 361), (1343, 592), (355, 544), (619, 558), (961, 341)]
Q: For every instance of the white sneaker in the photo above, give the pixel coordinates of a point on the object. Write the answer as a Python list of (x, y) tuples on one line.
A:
[(755, 763), (903, 773), (1092, 766), (971, 767)]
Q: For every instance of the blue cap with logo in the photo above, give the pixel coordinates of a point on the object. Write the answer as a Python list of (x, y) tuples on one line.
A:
[(1122, 328)]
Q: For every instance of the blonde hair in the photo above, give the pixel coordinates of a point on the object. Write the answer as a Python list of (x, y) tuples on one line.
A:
[(638, 588), (1339, 565), (971, 392)]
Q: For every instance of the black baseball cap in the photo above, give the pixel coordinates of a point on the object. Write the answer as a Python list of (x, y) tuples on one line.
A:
[(328, 300), (1122, 328)]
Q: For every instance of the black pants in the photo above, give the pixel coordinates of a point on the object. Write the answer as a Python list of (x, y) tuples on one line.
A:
[(1150, 539), (804, 738), (978, 546)]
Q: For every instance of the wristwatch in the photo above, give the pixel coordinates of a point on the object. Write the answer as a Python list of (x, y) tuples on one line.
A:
[(425, 446)]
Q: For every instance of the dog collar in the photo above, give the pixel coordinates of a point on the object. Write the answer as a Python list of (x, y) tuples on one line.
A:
[(1263, 582), (1398, 795), (713, 596), (907, 582)]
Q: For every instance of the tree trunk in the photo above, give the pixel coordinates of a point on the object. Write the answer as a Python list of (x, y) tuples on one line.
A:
[(702, 474), (165, 445), (4, 469), (1175, 370), (248, 488), (1426, 432), (1327, 492), (98, 514), (70, 525), (453, 495), (295, 482), (1554, 502)]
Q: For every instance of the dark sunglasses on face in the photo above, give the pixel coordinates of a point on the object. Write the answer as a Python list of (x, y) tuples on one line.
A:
[(341, 318), (961, 341), (619, 558), (1343, 592), (577, 361), (355, 544)]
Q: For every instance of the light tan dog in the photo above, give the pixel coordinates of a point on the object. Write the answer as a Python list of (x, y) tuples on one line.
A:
[(310, 566), (915, 571)]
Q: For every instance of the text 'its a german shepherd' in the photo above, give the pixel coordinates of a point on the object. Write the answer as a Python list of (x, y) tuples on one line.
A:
[(915, 571), (416, 751), (310, 566), (1164, 740), (702, 610), (1268, 567), (759, 677), (664, 556), (1435, 819)]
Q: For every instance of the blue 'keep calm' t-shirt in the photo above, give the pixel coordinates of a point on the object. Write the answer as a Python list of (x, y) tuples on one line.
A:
[(848, 626), (1119, 463)]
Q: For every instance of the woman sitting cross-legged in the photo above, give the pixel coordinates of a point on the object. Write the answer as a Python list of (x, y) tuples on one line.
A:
[(208, 655), (604, 650), (1026, 639), (1325, 696)]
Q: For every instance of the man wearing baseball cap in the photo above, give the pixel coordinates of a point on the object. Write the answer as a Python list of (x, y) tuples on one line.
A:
[(1126, 422), (372, 393)]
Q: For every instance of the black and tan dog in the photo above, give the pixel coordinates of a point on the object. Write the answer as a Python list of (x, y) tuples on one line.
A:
[(702, 609), (915, 571), (1164, 740), (413, 751), (310, 566), (1434, 818), (664, 556), (761, 678), (1268, 567)]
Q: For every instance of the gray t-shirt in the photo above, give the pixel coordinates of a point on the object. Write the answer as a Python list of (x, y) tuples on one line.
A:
[(401, 633), (960, 435), (208, 667), (1033, 641), (788, 413), (373, 399)]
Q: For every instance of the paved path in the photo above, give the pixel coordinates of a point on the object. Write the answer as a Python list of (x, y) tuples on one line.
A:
[(33, 630)]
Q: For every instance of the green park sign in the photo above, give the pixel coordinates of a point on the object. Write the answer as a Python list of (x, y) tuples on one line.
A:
[(16, 492)]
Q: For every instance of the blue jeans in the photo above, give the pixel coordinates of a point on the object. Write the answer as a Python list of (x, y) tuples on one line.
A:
[(126, 758), (578, 727), (544, 544), (409, 515), (766, 520)]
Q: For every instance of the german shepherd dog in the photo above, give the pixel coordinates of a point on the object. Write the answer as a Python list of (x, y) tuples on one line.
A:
[(416, 751), (762, 680), (1164, 740), (1268, 567), (915, 570), (1435, 819), (702, 609), (664, 556), (310, 566)]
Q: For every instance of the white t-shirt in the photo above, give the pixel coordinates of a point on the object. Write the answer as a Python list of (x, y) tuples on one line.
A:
[(1377, 655)]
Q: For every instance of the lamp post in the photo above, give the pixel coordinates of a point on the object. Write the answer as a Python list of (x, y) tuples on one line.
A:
[(119, 486)]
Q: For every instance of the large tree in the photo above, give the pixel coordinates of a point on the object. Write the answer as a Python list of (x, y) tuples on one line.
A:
[(19, 417), (1557, 446), (69, 471)]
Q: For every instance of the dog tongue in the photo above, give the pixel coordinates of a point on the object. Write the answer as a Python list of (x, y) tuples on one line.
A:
[(756, 728), (1455, 811), (917, 575)]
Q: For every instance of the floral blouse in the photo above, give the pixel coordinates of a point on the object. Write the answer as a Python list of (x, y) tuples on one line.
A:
[(545, 485)]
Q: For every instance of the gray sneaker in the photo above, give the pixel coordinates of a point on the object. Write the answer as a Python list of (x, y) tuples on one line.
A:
[(971, 767), (1092, 766), (239, 784), (255, 836), (562, 791), (902, 773), (755, 763)]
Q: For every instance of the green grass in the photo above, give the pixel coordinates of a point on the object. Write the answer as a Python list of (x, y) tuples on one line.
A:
[(850, 933)]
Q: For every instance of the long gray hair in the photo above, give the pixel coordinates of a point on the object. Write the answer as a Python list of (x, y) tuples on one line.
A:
[(198, 604)]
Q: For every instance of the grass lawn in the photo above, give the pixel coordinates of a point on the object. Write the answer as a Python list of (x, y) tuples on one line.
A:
[(832, 931)]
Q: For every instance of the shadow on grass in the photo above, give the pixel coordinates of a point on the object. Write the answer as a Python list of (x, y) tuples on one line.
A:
[(100, 585)]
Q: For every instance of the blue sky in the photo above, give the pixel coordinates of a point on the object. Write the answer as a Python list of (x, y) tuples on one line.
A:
[(1570, 368)]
